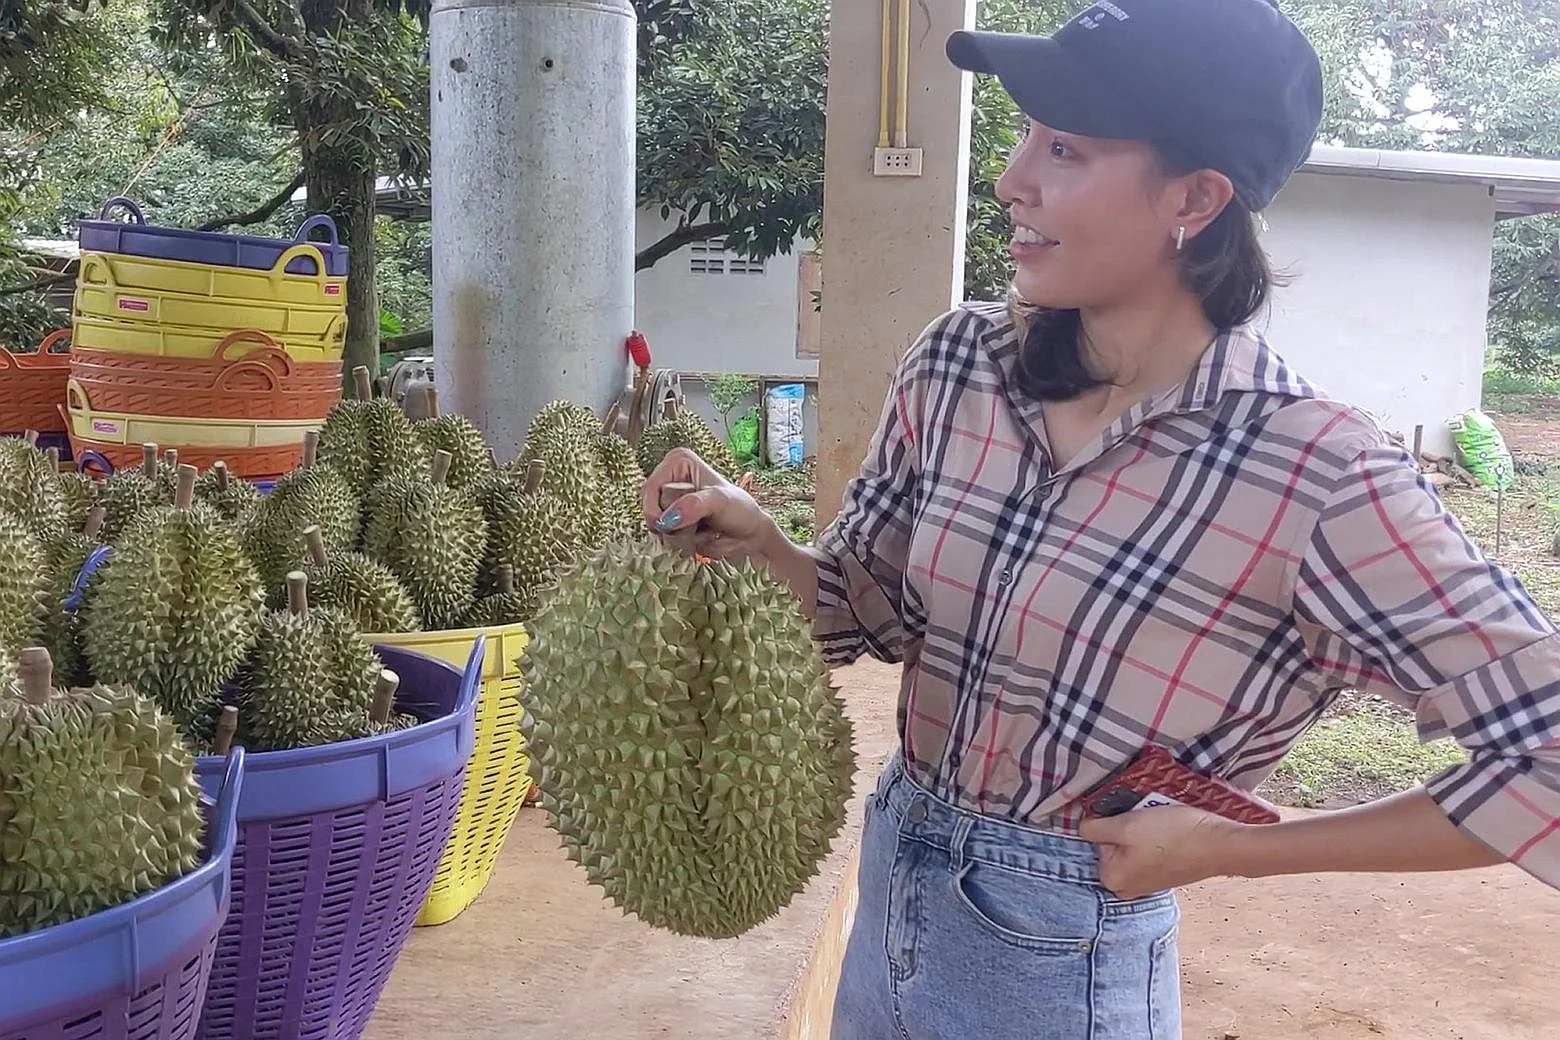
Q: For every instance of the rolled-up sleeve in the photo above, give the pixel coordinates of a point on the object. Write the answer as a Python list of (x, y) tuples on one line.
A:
[(861, 553), (1392, 598)]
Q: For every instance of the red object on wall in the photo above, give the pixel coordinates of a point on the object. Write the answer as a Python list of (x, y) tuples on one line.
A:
[(638, 349)]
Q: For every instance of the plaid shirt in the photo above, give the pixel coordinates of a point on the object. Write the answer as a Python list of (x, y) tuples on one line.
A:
[(1208, 576)]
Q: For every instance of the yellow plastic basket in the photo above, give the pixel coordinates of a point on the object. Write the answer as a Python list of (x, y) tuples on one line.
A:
[(91, 333), (497, 777), (120, 272), (157, 309), (175, 431)]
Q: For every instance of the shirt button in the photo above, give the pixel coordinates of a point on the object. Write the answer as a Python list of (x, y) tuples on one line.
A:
[(1007, 578), (917, 812)]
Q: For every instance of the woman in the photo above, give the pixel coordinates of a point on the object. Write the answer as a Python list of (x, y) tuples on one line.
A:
[(1105, 515)]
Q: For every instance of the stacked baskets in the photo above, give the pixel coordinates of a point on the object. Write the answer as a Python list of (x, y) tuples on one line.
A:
[(34, 383), (218, 346)]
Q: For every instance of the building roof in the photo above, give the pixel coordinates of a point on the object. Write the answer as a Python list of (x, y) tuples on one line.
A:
[(1520, 187)]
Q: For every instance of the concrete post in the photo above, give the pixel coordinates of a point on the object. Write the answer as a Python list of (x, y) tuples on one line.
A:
[(532, 174), (893, 246)]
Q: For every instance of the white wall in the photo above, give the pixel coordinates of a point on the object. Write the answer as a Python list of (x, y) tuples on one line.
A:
[(1390, 281)]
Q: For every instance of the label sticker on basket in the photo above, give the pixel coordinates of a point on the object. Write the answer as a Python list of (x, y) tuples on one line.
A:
[(107, 427), (128, 303), (332, 290)]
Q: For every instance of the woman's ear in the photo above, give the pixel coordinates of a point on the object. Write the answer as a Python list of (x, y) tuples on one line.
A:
[(1204, 196)]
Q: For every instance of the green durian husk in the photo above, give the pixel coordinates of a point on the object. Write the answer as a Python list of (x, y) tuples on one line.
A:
[(24, 583), (622, 481), (572, 476), (65, 555), (369, 440), (101, 805), (30, 487), (312, 495), (366, 591), (561, 415), (431, 537), (174, 612), (531, 531), (127, 493), (234, 498), (79, 494), (685, 430), (688, 744), (470, 461)]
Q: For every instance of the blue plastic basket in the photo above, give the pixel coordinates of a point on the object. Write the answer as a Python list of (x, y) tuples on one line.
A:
[(337, 850), (138, 971), (139, 238)]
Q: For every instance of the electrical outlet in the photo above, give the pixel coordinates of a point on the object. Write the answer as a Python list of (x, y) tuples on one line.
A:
[(896, 162)]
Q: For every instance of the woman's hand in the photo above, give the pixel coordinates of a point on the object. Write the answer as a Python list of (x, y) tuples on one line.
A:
[(1167, 846), (726, 522)]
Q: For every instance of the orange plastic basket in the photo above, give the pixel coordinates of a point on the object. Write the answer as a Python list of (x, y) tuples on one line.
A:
[(268, 462), (32, 387), (249, 346), (246, 388)]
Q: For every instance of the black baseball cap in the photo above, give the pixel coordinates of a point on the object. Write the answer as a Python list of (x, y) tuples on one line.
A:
[(1233, 85)]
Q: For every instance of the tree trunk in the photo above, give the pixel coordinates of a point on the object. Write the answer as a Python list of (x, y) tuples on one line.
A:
[(342, 185)]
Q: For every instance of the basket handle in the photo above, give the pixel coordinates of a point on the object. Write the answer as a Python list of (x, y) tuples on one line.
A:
[(225, 819), (93, 457), (7, 360), (78, 587), (303, 249), (232, 339), (76, 396), (238, 368), (319, 220), (471, 678), (120, 202), (53, 338), (94, 270)]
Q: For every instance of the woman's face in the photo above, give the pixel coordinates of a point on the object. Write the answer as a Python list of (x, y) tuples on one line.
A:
[(1094, 223)]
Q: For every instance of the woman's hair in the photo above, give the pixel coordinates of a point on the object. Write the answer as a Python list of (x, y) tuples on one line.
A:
[(1225, 266)]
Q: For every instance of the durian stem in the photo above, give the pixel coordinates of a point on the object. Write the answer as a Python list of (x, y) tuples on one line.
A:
[(441, 465), (53, 454), (384, 695), (37, 670), (31, 437), (674, 490), (614, 411), (298, 593), (171, 457), (534, 474), (672, 410), (184, 492), (95, 518), (311, 448), (227, 728), (362, 383), (221, 470), (431, 401), (314, 538), (149, 460), (682, 539), (506, 578)]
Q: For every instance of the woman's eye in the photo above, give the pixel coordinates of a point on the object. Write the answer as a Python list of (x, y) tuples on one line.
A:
[(1059, 150)]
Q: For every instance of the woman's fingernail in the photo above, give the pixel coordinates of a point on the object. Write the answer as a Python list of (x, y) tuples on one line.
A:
[(669, 519)]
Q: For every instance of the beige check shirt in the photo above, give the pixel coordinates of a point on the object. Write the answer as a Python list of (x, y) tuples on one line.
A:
[(1208, 576)]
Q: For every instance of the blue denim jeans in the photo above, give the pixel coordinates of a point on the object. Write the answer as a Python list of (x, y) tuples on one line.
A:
[(969, 928)]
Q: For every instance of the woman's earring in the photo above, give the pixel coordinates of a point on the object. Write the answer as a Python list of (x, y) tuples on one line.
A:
[(1180, 238)]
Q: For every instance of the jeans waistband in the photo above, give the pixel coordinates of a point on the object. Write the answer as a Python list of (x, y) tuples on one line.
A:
[(969, 836)]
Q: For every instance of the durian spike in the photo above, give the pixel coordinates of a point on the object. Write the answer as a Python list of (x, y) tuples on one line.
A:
[(362, 384), (298, 593), (149, 460), (31, 437), (314, 538), (37, 670), (534, 474), (311, 448), (220, 469), (184, 492), (54, 456), (441, 465), (506, 579), (95, 517), (384, 695), (227, 727)]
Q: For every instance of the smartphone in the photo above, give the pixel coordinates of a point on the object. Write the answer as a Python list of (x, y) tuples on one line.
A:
[(1155, 777)]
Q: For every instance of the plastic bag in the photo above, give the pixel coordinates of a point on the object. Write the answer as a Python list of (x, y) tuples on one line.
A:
[(785, 424), (744, 437), (1483, 449)]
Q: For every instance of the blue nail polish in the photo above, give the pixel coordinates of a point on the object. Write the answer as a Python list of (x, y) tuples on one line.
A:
[(669, 519)]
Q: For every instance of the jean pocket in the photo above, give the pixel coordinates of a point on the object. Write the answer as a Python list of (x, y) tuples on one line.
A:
[(1035, 913), (1164, 986)]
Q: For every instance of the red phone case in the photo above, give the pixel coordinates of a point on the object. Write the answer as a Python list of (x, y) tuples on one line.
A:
[(1156, 772)]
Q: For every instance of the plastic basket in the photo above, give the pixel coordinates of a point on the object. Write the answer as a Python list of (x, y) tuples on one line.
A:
[(176, 431), (153, 340), (246, 346), (138, 971), (337, 847), (138, 238), (122, 273), (248, 388), (33, 385), (498, 778), (253, 464), (309, 325)]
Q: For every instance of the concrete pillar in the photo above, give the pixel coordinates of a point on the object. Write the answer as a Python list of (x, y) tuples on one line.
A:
[(893, 246), (532, 177)]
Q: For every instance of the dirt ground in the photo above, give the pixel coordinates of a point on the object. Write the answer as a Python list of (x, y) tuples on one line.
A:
[(541, 955)]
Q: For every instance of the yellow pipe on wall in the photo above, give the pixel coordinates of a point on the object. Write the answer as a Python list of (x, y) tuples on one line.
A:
[(901, 130), (883, 57)]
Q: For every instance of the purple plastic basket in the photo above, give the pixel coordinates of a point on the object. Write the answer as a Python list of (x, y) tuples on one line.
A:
[(139, 238), (135, 972), (337, 849)]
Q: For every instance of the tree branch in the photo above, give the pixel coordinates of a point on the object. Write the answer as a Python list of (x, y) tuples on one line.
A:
[(255, 25), (682, 235), (265, 211)]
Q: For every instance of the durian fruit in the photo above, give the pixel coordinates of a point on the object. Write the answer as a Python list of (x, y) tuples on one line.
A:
[(78, 492), (431, 536), (689, 746), (175, 609), (24, 583), (683, 429), (506, 606), (309, 680), (360, 587), (470, 460), (65, 556), (560, 440), (560, 415), (232, 497), (126, 493), (622, 479), (528, 530), (167, 475), (101, 803), (370, 439), (30, 485), (311, 495)]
